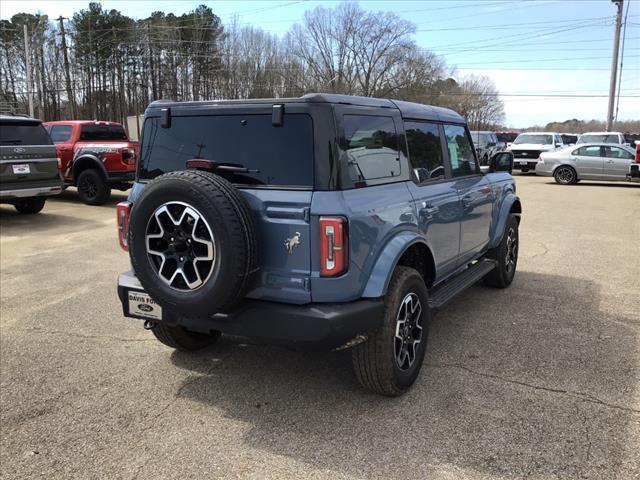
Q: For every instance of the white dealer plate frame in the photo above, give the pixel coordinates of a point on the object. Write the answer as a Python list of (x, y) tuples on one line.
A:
[(142, 305), (524, 162)]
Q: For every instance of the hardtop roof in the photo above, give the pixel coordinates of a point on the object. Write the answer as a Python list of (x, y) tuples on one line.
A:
[(19, 119), (407, 109)]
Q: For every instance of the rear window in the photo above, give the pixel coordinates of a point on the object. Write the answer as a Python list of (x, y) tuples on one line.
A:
[(599, 138), (24, 133), (97, 133), (60, 133), (282, 155)]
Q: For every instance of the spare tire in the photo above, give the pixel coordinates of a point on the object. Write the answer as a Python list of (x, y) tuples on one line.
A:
[(192, 243)]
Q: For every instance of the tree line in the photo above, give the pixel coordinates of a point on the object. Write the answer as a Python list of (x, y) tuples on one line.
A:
[(117, 65)]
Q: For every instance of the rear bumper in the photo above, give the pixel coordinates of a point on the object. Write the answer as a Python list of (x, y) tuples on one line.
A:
[(321, 325), (529, 165), (121, 177), (634, 173), (30, 192)]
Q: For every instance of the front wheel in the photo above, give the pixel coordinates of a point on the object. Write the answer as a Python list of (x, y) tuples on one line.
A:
[(506, 256), (389, 361), (181, 339), (30, 206), (93, 188)]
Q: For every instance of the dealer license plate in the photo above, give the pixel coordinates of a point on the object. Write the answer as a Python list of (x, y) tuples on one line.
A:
[(142, 305), (524, 162), (21, 169)]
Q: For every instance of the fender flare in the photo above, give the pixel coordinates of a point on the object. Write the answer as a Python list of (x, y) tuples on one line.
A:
[(505, 209), (92, 160), (386, 263)]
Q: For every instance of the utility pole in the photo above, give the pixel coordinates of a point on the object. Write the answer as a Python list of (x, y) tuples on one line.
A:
[(614, 65), (28, 65), (70, 97)]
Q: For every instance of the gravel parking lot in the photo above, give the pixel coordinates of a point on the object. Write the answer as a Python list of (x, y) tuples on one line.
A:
[(537, 381)]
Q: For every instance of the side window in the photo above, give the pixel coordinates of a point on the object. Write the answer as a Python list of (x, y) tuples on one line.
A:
[(616, 152), (372, 147), (591, 151), (425, 152), (60, 133), (559, 139), (461, 156)]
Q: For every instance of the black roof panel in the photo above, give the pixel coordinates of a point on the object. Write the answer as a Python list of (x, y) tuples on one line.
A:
[(407, 109)]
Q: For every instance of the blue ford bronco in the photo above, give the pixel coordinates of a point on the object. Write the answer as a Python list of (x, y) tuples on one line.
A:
[(328, 220)]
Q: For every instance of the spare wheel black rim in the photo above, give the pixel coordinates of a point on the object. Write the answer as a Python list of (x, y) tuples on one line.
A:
[(180, 246), (408, 331)]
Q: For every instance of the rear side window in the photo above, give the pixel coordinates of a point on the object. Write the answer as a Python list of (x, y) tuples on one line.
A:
[(60, 133), (96, 133), (24, 133), (372, 147), (463, 161), (616, 152), (281, 155), (425, 152)]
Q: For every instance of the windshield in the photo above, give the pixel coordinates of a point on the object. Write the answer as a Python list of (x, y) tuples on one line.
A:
[(598, 138), (24, 133), (534, 138), (282, 155)]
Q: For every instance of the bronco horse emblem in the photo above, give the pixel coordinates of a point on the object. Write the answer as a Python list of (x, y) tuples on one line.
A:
[(292, 242)]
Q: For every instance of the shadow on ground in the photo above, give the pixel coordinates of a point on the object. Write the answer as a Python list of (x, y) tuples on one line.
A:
[(532, 380), (14, 223), (70, 195)]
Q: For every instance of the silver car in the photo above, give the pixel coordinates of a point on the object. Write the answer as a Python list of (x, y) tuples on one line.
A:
[(591, 161)]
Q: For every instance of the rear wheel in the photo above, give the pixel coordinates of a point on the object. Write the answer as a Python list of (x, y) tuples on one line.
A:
[(181, 339), (565, 175), (93, 188), (29, 206), (389, 361)]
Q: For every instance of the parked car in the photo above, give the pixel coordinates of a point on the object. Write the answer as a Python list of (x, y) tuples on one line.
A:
[(486, 144), (263, 218), (506, 137), (527, 147), (28, 164), (569, 138), (95, 157), (590, 161), (603, 137), (634, 167)]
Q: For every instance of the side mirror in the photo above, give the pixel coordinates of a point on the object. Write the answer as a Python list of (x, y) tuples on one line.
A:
[(501, 162)]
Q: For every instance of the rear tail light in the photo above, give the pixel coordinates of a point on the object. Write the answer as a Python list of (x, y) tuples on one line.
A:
[(637, 152), (334, 244), (129, 156), (123, 209)]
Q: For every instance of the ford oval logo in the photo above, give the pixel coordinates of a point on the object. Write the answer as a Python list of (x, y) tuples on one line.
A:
[(145, 308), (19, 150)]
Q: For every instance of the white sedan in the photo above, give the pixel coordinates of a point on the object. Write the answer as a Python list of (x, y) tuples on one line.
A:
[(591, 161)]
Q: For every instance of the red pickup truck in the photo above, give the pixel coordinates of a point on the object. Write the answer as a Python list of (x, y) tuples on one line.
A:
[(94, 157)]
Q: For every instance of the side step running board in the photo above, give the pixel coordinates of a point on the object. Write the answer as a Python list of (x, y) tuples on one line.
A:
[(447, 291)]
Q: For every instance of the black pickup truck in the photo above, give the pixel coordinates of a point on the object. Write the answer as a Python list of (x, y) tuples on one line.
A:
[(29, 170)]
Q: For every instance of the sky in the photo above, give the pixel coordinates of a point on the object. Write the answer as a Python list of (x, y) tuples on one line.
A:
[(550, 59)]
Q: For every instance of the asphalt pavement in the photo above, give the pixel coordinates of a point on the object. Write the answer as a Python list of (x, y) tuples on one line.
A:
[(540, 380)]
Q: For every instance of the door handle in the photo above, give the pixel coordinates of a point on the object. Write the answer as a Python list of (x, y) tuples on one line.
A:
[(609, 161), (427, 210)]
